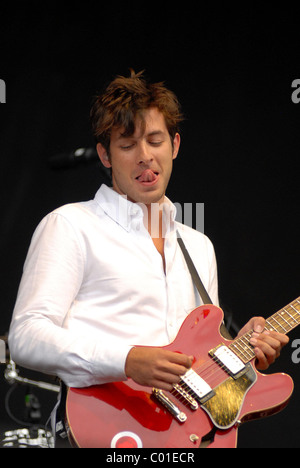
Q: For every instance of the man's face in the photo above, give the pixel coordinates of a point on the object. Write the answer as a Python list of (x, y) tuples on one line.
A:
[(142, 163)]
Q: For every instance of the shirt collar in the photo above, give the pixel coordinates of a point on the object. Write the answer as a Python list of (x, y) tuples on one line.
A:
[(126, 213)]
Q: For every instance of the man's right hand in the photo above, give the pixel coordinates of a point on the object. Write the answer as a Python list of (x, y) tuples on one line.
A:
[(156, 367)]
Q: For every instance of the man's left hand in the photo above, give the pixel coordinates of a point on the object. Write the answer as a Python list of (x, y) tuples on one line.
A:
[(267, 344)]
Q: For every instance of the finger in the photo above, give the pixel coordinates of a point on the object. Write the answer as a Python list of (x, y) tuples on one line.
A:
[(261, 360), (177, 370), (268, 339), (283, 339), (258, 324), (169, 373), (181, 359), (165, 381), (162, 385), (177, 366), (270, 350)]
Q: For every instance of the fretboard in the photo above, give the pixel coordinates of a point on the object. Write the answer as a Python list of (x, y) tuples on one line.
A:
[(283, 321)]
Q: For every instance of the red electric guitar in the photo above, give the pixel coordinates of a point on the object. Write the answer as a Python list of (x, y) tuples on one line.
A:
[(222, 390)]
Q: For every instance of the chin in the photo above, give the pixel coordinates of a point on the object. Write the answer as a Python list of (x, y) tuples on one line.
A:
[(148, 199)]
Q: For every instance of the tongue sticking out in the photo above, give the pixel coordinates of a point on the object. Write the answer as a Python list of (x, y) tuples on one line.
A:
[(147, 176)]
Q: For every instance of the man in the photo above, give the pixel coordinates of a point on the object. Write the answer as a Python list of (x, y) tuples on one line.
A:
[(106, 279)]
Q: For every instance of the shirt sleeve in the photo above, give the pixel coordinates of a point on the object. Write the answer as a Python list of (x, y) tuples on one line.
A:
[(52, 276)]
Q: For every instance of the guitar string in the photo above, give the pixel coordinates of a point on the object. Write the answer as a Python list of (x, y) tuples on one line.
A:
[(214, 370), (247, 352), (211, 371), (248, 349)]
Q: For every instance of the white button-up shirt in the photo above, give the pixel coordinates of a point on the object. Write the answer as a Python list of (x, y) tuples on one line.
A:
[(94, 286)]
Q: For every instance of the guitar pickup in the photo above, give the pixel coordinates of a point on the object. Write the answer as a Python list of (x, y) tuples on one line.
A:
[(195, 385), (232, 364)]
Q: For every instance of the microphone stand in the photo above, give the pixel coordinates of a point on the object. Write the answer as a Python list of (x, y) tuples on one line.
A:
[(35, 434), (11, 374)]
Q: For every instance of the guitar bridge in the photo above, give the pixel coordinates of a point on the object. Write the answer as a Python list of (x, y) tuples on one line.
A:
[(186, 396), (167, 403)]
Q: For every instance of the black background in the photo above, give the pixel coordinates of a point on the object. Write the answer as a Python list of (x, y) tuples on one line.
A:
[(232, 69)]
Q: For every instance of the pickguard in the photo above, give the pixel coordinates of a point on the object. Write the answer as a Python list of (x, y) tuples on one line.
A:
[(224, 407)]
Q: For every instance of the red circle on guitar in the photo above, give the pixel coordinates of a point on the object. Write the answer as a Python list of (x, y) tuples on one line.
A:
[(126, 440)]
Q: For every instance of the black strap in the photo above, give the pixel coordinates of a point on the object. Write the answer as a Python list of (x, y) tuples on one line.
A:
[(198, 283), (197, 280)]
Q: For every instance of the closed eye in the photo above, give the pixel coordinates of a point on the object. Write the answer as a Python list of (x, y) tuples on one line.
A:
[(127, 147)]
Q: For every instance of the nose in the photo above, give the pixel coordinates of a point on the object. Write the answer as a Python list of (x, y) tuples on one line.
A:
[(144, 154)]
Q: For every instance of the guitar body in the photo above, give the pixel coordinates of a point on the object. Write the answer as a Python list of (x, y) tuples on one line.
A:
[(125, 414)]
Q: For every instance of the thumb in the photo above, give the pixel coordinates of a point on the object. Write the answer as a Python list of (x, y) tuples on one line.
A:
[(259, 324)]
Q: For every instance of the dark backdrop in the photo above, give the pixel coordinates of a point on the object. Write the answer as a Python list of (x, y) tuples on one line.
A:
[(232, 69)]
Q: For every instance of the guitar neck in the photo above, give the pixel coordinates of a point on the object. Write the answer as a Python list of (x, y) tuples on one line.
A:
[(283, 321)]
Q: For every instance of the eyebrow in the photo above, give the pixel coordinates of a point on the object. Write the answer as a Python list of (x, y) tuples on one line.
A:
[(154, 133)]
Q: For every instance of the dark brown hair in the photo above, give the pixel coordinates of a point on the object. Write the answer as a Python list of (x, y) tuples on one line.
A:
[(125, 99)]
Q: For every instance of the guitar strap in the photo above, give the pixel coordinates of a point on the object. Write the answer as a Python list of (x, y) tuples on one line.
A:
[(196, 278), (198, 283)]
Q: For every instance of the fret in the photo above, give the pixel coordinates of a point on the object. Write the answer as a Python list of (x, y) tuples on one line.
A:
[(289, 315), (239, 352), (235, 347), (292, 321), (283, 321), (282, 317), (292, 318), (243, 348), (247, 346), (295, 309), (277, 326)]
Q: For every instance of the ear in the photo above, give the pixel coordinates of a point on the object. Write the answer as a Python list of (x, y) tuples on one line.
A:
[(102, 153), (176, 145)]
